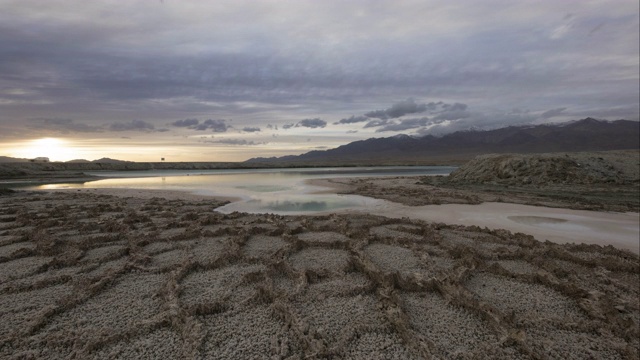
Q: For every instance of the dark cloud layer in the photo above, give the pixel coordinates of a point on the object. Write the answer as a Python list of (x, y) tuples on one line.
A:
[(219, 125), (250, 129), (404, 125), (397, 110), (352, 119), (386, 120), (306, 123), (186, 123), (312, 123)]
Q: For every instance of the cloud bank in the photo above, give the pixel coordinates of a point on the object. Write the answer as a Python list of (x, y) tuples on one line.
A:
[(167, 70)]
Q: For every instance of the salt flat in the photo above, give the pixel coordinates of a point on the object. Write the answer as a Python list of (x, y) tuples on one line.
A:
[(144, 275)]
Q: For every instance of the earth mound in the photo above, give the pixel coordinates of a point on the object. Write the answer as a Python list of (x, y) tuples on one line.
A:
[(613, 167)]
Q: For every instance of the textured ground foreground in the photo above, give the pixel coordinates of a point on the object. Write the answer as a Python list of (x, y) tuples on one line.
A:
[(91, 276)]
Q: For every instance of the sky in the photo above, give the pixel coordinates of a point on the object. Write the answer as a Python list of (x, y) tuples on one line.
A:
[(225, 80)]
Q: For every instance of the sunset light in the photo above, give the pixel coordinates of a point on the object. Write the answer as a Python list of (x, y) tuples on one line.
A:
[(53, 148)]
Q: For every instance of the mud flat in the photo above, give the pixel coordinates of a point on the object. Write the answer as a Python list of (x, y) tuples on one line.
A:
[(89, 275)]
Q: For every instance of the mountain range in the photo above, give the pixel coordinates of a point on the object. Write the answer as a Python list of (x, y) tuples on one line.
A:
[(582, 135)]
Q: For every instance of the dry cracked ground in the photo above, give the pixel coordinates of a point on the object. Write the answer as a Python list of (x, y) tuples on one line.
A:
[(94, 276)]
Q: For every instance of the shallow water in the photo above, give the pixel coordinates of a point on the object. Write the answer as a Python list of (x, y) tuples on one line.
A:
[(284, 191), (281, 191)]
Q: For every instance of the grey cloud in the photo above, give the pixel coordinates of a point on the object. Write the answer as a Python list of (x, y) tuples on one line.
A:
[(312, 123), (454, 107), (308, 123), (379, 114), (402, 108), (200, 127), (452, 115), (453, 111), (351, 120), (552, 113), (250, 129), (186, 123), (62, 125), (404, 125), (479, 121), (397, 110), (375, 123), (134, 125), (215, 125), (596, 29), (226, 62), (241, 142), (352, 131)]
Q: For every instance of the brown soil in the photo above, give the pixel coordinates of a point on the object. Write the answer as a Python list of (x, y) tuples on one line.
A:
[(86, 275)]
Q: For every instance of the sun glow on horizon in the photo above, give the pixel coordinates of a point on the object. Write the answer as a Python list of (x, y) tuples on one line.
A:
[(145, 150), (53, 148)]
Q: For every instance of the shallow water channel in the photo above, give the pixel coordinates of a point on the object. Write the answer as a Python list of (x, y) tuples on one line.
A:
[(281, 191)]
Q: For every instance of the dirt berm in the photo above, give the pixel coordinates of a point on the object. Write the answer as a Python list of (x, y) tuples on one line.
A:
[(611, 167)]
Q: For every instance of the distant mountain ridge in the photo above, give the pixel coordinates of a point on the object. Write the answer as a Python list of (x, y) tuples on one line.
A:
[(582, 135)]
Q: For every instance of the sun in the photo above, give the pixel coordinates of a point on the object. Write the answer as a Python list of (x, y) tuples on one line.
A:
[(52, 148)]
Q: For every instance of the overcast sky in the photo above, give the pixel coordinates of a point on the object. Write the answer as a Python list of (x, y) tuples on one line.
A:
[(229, 80)]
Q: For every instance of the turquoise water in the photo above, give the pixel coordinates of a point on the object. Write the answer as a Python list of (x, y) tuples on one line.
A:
[(282, 191)]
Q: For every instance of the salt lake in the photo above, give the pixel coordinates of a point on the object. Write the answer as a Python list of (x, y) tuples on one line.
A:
[(280, 191), (287, 192)]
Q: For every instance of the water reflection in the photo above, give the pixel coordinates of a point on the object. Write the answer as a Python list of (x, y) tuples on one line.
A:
[(282, 191), (263, 188)]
